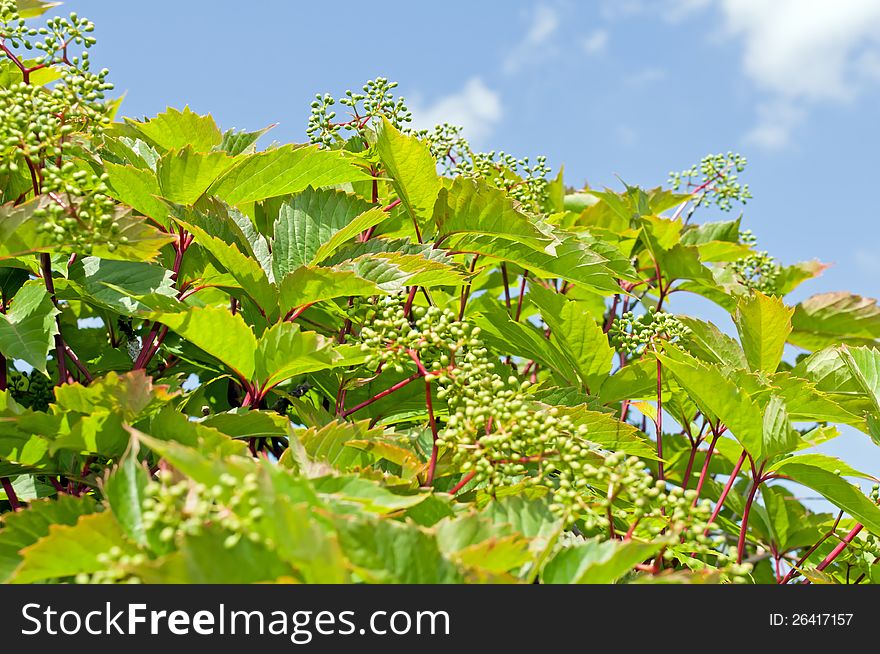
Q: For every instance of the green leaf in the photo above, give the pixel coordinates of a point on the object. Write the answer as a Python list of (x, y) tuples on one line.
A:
[(286, 170), (523, 340), (28, 329), (242, 142), (218, 332), (309, 221), (412, 169), (475, 207), (358, 224), (24, 528), (710, 344), (308, 285), (68, 550), (825, 462), (834, 489), (834, 318), (392, 271), (864, 365), (606, 430), (386, 551), (596, 562), (779, 436), (719, 398), (127, 394), (117, 285), (138, 189), (579, 337), (284, 351), (184, 175), (371, 496), (244, 269), (204, 558), (124, 491), (572, 261), (33, 8), (174, 130), (763, 323)]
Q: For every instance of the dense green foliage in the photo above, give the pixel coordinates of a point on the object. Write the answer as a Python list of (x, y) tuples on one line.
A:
[(384, 357)]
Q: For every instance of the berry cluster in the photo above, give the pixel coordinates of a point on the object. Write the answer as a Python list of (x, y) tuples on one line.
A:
[(448, 145), (41, 128), (715, 180), (758, 271), (32, 390), (524, 182), (178, 508), (376, 100), (77, 211), (115, 571), (634, 334)]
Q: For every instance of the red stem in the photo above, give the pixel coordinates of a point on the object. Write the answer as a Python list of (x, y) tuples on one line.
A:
[(380, 395), (726, 491), (753, 491), (705, 471), (463, 482), (10, 493), (522, 292), (840, 547)]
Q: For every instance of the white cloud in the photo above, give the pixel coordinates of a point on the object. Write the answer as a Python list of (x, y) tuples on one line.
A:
[(544, 23), (803, 52), (805, 48), (476, 108), (595, 42)]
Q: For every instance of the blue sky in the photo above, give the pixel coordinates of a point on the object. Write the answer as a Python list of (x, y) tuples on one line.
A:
[(629, 87)]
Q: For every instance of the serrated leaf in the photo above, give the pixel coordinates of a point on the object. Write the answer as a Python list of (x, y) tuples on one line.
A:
[(309, 284), (412, 169), (596, 562), (138, 189), (580, 338), (174, 130), (286, 170), (185, 175), (309, 221), (24, 528), (719, 398), (472, 206), (285, 351), (218, 332), (68, 550), (834, 318), (27, 330), (763, 323)]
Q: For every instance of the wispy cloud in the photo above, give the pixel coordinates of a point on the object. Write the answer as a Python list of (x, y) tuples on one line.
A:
[(801, 53), (475, 107), (595, 42), (544, 23)]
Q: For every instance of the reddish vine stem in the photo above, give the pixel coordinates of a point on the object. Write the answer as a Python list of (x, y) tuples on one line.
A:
[(659, 423), (753, 491), (432, 463), (612, 314), (466, 291), (506, 287), (522, 292), (705, 471), (726, 491), (10, 493), (461, 484), (840, 547), (380, 395), (795, 568)]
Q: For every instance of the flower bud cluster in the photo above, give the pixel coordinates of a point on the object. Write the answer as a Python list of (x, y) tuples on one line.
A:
[(377, 99), (33, 390), (634, 334), (174, 509), (715, 179), (758, 272), (116, 568)]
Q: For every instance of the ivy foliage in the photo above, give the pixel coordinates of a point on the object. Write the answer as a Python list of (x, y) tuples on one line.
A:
[(384, 357)]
